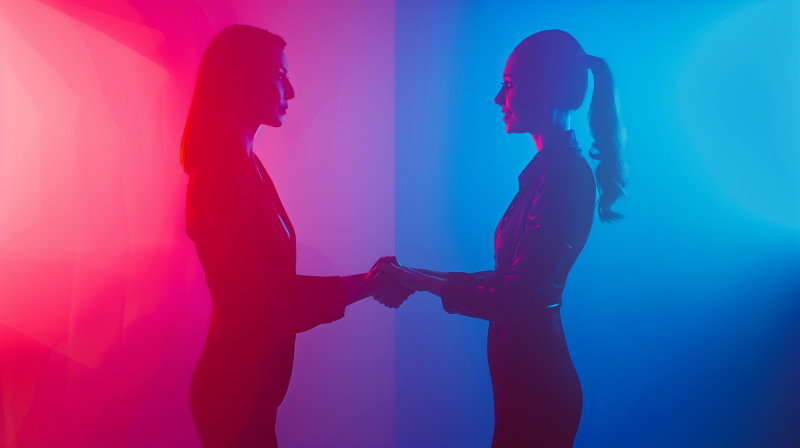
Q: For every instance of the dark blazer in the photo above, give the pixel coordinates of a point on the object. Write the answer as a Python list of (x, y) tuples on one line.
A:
[(537, 393), (259, 303)]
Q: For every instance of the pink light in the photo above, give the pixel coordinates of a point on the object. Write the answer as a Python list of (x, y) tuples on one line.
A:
[(103, 306)]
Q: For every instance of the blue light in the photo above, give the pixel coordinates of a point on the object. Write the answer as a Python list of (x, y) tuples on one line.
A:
[(658, 310)]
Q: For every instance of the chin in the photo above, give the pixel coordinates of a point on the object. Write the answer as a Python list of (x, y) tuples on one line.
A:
[(275, 122), (513, 128), (512, 125)]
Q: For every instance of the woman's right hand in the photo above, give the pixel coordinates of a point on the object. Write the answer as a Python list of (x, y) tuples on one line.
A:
[(413, 279), (395, 294), (391, 293), (391, 259)]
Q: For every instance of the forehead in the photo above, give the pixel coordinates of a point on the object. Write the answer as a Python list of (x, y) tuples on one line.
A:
[(515, 64), (274, 57)]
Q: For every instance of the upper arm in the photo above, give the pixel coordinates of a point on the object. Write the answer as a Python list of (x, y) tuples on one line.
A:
[(217, 209), (227, 245), (254, 267), (560, 214), (561, 200)]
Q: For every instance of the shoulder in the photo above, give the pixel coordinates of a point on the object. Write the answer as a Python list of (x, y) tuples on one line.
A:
[(216, 186), (569, 168), (218, 176), (566, 193)]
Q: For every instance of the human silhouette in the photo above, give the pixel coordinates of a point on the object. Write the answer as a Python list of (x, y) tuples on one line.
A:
[(247, 245), (537, 393)]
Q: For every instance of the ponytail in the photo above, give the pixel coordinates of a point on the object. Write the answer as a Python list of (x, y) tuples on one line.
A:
[(609, 138)]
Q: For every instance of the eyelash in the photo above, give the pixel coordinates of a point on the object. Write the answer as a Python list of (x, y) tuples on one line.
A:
[(506, 84)]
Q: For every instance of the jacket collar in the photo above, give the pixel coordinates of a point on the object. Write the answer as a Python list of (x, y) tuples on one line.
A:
[(560, 142)]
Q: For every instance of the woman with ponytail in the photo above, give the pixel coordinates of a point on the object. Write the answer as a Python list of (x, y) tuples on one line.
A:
[(537, 393)]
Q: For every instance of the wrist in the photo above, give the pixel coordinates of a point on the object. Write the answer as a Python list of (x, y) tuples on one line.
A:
[(432, 284), (361, 290), (350, 280)]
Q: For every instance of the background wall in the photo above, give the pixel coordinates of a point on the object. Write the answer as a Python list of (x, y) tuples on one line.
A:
[(682, 320), (103, 306)]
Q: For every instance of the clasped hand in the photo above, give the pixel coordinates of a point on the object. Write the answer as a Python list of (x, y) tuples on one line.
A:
[(397, 282)]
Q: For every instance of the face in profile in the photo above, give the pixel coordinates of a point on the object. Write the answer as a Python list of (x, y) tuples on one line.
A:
[(270, 100), (522, 105)]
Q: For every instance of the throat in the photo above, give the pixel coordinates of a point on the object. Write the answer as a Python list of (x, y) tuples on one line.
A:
[(553, 131)]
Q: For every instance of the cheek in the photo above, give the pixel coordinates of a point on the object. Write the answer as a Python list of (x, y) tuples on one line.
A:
[(270, 94), (524, 106), (509, 99), (516, 104)]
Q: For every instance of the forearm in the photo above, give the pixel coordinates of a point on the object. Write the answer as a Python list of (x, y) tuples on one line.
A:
[(316, 300), (437, 274), (472, 301), (360, 290), (350, 280), (430, 283)]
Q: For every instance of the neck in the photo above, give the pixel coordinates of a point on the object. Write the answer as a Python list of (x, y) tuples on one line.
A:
[(557, 126), (245, 135)]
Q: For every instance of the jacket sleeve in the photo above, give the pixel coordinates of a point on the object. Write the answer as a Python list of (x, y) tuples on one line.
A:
[(226, 242), (261, 300), (526, 286), (483, 278), (317, 300), (262, 294)]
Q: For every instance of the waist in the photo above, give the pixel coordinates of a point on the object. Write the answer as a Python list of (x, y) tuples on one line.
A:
[(546, 298)]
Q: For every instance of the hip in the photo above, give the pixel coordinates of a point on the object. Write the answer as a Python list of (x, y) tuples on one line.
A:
[(534, 345), (224, 369)]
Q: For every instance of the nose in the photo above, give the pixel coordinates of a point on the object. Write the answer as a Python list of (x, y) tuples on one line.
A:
[(289, 90), (500, 99)]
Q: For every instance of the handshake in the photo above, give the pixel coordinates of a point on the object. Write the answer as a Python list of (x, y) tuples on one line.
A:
[(393, 281)]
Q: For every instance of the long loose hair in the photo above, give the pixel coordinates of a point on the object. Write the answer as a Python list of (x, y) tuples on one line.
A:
[(228, 71)]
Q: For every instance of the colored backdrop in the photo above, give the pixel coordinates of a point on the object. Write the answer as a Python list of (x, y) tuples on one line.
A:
[(103, 305), (682, 320)]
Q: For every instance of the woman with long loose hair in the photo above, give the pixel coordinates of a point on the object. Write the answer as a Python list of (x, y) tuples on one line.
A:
[(537, 393), (247, 245)]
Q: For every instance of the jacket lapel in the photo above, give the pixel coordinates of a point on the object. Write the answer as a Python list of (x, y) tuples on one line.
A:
[(254, 182), (269, 195), (272, 193)]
